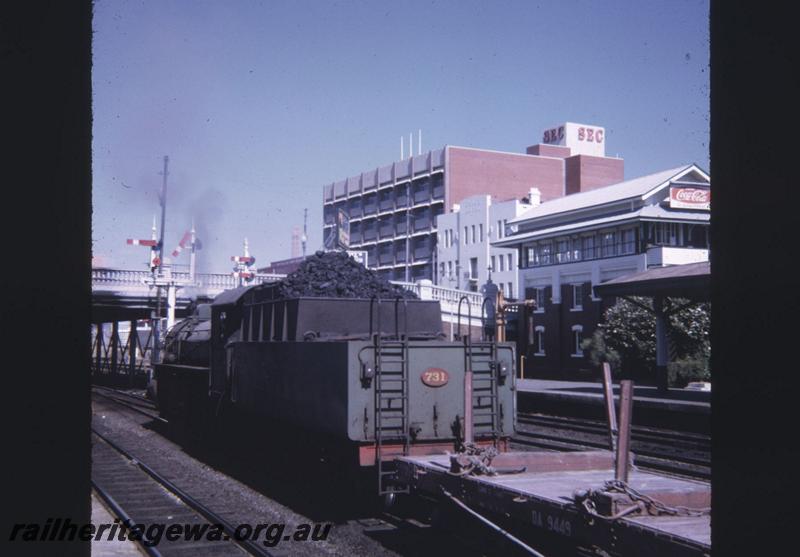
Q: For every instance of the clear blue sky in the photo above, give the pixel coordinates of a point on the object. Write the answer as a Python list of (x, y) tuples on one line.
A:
[(258, 104)]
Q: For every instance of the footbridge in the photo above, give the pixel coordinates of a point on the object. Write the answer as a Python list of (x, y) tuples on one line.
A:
[(131, 309)]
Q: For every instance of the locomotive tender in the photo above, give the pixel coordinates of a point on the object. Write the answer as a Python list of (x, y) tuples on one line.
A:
[(366, 379)]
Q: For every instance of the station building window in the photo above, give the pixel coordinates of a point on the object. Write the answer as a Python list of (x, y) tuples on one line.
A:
[(696, 236), (562, 250), (628, 241), (608, 241), (577, 297), (538, 335), (577, 338), (575, 249), (539, 297), (588, 247), (668, 234), (611, 243)]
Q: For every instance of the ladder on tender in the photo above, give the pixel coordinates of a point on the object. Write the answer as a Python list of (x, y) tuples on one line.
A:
[(486, 410), (391, 406)]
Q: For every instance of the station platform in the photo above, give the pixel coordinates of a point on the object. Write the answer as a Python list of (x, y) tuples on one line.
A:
[(681, 408), (104, 547), (681, 400)]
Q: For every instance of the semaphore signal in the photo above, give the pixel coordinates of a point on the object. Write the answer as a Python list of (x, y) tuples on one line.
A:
[(242, 270), (152, 243)]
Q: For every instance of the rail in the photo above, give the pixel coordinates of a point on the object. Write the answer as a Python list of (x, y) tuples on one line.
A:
[(186, 499)]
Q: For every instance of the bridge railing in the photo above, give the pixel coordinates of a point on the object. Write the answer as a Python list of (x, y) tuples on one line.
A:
[(448, 299), (120, 277), (211, 284), (211, 281)]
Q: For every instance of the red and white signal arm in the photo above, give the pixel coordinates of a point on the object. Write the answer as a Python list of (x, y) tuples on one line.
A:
[(247, 260), (690, 198)]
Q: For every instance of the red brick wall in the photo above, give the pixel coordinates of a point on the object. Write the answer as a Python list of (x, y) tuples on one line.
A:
[(549, 150), (503, 175), (585, 172), (558, 320)]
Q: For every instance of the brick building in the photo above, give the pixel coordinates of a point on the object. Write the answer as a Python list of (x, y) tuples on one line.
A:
[(568, 245), (392, 209)]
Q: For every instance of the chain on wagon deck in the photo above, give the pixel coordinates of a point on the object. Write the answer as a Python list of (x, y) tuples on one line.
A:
[(570, 495)]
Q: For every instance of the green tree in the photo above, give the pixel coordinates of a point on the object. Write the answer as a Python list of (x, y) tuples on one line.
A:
[(626, 339)]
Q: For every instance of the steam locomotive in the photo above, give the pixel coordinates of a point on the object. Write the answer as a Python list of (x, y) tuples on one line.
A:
[(364, 380)]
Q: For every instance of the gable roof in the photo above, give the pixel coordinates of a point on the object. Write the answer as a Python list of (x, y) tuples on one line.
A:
[(641, 187)]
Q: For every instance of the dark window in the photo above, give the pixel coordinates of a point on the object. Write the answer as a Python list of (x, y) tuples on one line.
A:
[(385, 200), (422, 191), (437, 186), (370, 204), (355, 207)]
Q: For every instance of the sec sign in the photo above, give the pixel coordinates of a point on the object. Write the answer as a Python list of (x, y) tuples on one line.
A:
[(435, 377)]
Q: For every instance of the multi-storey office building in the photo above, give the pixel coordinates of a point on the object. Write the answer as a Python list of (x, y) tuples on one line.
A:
[(464, 252), (392, 209), (568, 245)]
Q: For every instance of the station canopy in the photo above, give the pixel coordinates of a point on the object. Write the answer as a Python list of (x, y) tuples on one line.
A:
[(691, 281)]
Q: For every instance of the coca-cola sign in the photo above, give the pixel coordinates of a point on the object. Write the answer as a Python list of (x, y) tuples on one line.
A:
[(690, 198)]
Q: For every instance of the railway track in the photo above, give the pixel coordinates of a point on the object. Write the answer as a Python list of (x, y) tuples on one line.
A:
[(145, 497), (667, 451), (137, 403), (387, 534)]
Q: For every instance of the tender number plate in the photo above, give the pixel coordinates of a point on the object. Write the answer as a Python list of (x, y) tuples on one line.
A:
[(435, 377)]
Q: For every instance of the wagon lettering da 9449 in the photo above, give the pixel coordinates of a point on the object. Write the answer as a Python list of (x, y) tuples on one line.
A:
[(435, 377)]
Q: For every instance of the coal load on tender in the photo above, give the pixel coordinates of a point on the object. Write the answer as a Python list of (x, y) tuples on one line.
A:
[(337, 275)]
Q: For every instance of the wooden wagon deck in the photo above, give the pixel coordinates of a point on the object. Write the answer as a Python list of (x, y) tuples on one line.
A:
[(542, 497)]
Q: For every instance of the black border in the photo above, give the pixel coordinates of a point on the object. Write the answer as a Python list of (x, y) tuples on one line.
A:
[(754, 147), (46, 197), (45, 51)]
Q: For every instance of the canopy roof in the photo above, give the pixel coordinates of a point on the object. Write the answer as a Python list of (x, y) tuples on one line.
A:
[(692, 281)]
